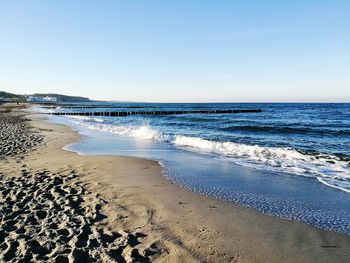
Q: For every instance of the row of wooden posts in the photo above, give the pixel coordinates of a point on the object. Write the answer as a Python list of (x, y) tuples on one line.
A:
[(128, 113), (68, 106)]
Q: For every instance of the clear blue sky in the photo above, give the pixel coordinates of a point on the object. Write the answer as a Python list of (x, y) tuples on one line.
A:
[(177, 50)]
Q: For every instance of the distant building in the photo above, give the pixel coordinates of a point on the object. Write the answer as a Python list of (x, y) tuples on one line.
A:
[(3, 99), (46, 99)]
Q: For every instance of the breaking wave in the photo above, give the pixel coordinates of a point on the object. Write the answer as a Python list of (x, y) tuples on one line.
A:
[(327, 169)]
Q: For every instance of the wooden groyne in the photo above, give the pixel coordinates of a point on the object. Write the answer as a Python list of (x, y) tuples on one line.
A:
[(128, 113), (94, 107)]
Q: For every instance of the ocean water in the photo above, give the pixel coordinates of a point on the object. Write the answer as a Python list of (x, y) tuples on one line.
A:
[(290, 160)]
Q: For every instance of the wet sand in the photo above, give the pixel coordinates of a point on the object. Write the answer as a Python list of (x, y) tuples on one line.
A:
[(60, 206)]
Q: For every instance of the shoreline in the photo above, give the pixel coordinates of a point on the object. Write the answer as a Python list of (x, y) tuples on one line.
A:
[(186, 226)]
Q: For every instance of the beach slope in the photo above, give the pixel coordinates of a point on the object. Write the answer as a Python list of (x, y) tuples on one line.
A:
[(57, 205)]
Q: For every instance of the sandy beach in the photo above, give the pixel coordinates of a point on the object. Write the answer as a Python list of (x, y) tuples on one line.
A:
[(58, 206)]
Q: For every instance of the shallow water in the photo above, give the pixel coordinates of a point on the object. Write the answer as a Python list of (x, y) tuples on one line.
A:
[(303, 139), (264, 168)]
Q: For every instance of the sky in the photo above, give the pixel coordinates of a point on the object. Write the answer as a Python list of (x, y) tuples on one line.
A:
[(178, 51)]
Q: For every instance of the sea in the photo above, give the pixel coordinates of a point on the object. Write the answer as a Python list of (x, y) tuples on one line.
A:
[(291, 160)]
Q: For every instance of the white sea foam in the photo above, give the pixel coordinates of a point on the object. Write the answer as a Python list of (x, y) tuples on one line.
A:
[(329, 170), (86, 118), (142, 132), (42, 110)]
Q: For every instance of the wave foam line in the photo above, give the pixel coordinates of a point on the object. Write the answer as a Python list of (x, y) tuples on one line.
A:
[(329, 170)]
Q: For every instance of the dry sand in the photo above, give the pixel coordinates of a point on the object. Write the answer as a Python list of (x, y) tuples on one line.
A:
[(58, 206)]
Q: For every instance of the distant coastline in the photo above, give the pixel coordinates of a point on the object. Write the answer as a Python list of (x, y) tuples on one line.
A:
[(41, 97)]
